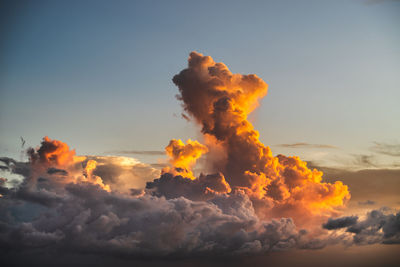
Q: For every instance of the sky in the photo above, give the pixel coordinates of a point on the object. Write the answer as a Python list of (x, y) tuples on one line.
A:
[(98, 75), (120, 82)]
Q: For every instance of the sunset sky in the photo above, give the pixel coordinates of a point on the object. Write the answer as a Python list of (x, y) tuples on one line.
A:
[(98, 76)]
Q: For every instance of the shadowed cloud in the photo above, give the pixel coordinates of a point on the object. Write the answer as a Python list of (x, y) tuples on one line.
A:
[(340, 222), (56, 171), (377, 227)]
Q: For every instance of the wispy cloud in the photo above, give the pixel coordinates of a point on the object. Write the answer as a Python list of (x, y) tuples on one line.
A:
[(139, 152), (365, 160), (387, 149), (367, 203), (158, 165), (306, 145)]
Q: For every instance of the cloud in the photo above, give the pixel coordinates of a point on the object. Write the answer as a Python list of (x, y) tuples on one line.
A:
[(184, 156), (79, 211), (203, 188), (365, 160), (139, 152), (89, 219), (387, 149), (220, 102), (367, 202), (57, 171), (359, 161), (249, 202), (379, 185), (340, 222), (73, 208), (11, 165), (306, 145), (377, 227), (52, 152), (124, 173), (158, 165)]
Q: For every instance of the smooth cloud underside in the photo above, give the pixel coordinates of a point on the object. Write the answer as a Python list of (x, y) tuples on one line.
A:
[(249, 202)]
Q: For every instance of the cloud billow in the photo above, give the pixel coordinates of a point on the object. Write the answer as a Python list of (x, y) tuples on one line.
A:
[(377, 227), (248, 202)]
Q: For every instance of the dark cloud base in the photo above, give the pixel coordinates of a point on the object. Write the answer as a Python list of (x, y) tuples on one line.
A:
[(81, 224)]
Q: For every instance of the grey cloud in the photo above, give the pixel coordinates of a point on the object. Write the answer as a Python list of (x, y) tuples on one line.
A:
[(3, 167), (21, 168), (205, 187), (83, 218), (173, 217), (56, 171), (90, 220), (340, 222), (7, 161), (377, 227), (40, 196)]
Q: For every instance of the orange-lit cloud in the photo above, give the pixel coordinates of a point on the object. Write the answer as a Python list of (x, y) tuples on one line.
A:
[(94, 179), (53, 152), (250, 201), (183, 156), (55, 155), (220, 102)]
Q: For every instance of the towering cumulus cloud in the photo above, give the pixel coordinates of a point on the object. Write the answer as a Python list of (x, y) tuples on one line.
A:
[(245, 200), (278, 186)]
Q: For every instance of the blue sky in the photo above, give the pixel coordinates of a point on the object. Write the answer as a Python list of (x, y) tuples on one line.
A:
[(97, 74)]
